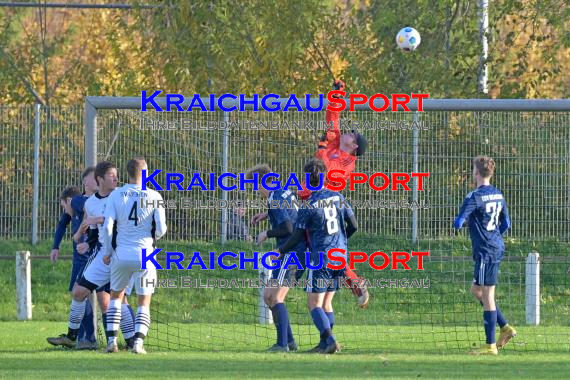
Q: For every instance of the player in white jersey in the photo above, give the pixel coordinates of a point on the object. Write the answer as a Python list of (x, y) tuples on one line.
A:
[(138, 226), (97, 274)]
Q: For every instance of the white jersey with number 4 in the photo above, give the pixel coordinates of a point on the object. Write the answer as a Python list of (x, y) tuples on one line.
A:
[(136, 226)]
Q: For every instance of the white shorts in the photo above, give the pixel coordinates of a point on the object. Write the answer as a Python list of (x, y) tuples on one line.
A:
[(99, 273), (125, 272), (96, 271)]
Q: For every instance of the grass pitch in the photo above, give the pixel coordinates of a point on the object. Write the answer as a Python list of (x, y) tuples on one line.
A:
[(24, 353), (199, 334)]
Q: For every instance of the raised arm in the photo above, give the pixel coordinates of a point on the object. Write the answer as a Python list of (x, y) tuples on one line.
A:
[(332, 136)]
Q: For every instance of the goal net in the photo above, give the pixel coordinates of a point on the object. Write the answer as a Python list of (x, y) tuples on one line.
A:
[(532, 152)]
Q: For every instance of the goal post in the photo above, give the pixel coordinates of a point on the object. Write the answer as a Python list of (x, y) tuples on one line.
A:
[(529, 140)]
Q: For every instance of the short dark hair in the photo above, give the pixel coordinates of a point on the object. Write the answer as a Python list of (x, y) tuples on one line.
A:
[(314, 167), (485, 165), (361, 142), (87, 171), (134, 167), (102, 168), (69, 192)]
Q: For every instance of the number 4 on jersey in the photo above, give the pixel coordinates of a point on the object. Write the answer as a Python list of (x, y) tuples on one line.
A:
[(133, 214)]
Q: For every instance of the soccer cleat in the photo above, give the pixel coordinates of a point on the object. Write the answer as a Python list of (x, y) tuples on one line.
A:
[(507, 333), (62, 340), (86, 345), (316, 350), (130, 343), (293, 346), (112, 346), (138, 347), (332, 348), (278, 348), (488, 349)]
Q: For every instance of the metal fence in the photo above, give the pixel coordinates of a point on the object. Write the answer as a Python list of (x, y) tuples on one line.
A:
[(530, 141), (41, 152)]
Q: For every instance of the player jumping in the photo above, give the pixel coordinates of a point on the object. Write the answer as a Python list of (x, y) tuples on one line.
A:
[(328, 227), (339, 151), (282, 221), (136, 229), (486, 211)]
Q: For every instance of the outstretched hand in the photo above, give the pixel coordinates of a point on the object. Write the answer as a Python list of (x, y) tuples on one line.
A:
[(54, 255)]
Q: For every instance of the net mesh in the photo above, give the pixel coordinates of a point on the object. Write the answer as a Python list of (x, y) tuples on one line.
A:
[(532, 152)]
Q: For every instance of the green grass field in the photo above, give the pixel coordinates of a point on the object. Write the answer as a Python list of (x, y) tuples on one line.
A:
[(213, 333), (24, 354)]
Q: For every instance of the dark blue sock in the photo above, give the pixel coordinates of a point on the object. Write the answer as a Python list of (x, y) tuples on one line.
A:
[(276, 323), (282, 324), (490, 321), (501, 321), (330, 316), (104, 316), (290, 337), (81, 332), (87, 322), (322, 322)]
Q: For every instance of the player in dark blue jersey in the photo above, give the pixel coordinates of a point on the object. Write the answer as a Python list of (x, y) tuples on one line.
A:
[(329, 222), (282, 219), (72, 201), (485, 210)]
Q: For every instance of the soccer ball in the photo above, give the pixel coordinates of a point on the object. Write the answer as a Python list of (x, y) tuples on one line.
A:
[(408, 39)]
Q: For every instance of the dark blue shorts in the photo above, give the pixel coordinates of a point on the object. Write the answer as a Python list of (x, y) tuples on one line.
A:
[(283, 274), (77, 267), (324, 280), (485, 273)]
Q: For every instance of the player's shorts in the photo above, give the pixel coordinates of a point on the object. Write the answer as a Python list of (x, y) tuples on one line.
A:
[(128, 273), (77, 268), (324, 280), (287, 274), (485, 273), (97, 274)]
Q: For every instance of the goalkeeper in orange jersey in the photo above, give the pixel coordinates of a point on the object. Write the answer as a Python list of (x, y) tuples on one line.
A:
[(339, 151)]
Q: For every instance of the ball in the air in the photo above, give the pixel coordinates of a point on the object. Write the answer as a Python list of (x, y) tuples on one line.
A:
[(408, 39)]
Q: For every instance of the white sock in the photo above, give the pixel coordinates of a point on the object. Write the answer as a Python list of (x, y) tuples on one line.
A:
[(76, 313), (114, 315), (142, 321), (127, 323)]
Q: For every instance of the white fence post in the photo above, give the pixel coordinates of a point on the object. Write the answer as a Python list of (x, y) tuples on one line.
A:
[(265, 316), (532, 289), (24, 285)]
